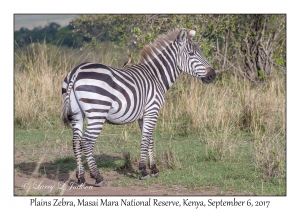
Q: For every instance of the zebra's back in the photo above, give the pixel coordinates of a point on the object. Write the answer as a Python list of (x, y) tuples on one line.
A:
[(99, 88)]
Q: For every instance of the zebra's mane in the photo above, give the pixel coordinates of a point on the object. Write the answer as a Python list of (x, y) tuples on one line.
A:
[(160, 43)]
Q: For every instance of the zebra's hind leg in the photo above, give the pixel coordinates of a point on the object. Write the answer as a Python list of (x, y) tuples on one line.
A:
[(77, 125), (91, 134), (77, 137)]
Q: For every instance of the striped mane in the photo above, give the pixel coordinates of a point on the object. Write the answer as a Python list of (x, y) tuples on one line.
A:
[(160, 43)]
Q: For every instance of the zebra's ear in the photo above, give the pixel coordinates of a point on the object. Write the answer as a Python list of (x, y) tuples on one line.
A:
[(192, 34), (182, 36)]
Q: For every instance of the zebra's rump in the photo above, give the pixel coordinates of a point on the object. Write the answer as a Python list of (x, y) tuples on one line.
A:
[(107, 93)]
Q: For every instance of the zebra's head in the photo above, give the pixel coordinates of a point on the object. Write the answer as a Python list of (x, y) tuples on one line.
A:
[(190, 58)]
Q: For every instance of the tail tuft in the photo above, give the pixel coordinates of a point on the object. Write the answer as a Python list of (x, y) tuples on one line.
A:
[(66, 112)]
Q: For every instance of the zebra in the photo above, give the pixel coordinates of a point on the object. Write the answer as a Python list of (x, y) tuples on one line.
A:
[(101, 93)]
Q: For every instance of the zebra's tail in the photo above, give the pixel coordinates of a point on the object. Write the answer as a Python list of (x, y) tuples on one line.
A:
[(66, 113)]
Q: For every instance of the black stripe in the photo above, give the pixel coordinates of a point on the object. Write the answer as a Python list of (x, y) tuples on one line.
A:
[(75, 69), (172, 67), (96, 66), (161, 72), (97, 118), (171, 50), (95, 123), (96, 110), (103, 92), (91, 133), (168, 70), (95, 101), (95, 129)]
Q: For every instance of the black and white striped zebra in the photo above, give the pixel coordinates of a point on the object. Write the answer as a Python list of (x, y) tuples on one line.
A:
[(105, 94)]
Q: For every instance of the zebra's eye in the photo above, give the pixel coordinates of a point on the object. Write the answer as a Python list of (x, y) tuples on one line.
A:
[(191, 53)]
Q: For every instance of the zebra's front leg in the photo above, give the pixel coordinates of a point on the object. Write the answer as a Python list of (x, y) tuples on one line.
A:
[(152, 165), (147, 126), (143, 158)]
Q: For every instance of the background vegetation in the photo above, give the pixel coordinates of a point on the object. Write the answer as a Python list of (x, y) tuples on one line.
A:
[(52, 33), (240, 119), (249, 45)]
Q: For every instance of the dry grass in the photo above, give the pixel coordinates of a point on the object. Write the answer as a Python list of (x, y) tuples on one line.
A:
[(219, 147), (191, 106), (168, 159), (38, 75), (230, 104), (269, 155)]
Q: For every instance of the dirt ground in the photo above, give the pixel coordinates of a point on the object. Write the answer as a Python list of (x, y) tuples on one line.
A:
[(65, 184)]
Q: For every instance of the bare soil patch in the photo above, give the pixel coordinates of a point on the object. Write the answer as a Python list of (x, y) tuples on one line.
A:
[(66, 184)]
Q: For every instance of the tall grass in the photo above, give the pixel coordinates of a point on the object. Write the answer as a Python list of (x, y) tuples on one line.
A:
[(38, 75), (230, 104), (191, 106)]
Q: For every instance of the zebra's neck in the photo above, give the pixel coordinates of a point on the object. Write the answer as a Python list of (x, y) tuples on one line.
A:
[(162, 66)]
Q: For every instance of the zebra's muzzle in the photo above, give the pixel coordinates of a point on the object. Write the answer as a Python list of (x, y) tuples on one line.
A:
[(210, 76)]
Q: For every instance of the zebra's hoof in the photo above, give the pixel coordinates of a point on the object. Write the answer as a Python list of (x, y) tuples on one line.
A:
[(100, 184), (81, 182), (146, 177), (155, 175)]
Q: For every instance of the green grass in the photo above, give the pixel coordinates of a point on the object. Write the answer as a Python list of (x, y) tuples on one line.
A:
[(182, 159), (229, 135)]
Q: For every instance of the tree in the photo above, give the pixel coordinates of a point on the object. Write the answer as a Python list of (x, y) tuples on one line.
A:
[(249, 45), (254, 40), (51, 34)]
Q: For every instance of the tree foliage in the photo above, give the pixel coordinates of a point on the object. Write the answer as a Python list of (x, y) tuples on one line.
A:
[(52, 33), (250, 45)]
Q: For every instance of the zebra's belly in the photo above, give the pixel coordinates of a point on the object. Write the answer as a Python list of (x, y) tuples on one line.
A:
[(122, 120), (124, 112)]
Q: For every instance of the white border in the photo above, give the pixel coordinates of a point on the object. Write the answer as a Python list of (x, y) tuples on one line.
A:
[(216, 6)]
